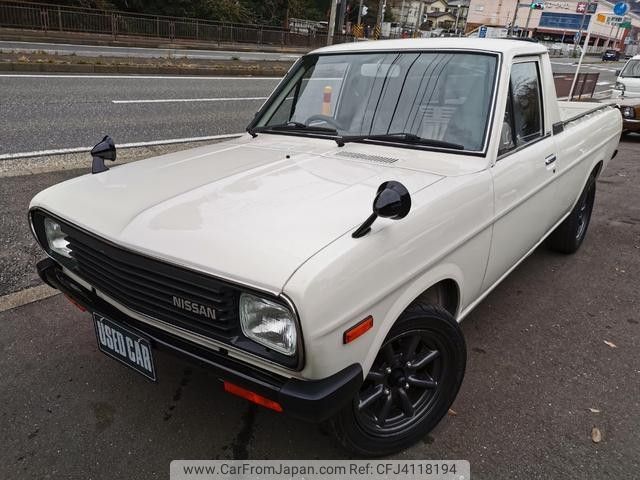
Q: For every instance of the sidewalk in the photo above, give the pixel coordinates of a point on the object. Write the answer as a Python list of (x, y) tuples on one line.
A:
[(20, 35)]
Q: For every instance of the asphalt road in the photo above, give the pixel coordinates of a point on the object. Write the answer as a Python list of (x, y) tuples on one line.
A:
[(43, 112), (538, 363), (99, 50)]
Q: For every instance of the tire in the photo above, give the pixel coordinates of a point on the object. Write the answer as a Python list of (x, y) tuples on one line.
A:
[(569, 235), (425, 335)]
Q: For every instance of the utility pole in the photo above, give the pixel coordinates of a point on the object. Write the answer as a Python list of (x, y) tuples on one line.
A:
[(615, 45), (575, 75), (332, 21), (526, 25), (513, 20), (380, 18), (343, 12), (359, 12), (576, 40), (419, 17)]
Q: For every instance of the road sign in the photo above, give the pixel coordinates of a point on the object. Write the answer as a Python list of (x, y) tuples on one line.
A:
[(482, 33), (614, 20), (620, 8)]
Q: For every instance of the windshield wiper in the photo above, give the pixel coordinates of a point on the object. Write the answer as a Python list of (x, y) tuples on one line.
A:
[(290, 126), (399, 138)]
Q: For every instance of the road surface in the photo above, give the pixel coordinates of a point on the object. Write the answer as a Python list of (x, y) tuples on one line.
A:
[(539, 378), (43, 112), (539, 374)]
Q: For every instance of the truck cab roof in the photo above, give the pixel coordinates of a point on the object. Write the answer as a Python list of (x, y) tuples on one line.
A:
[(493, 45)]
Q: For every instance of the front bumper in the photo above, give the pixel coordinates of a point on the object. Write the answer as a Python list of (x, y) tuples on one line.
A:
[(311, 400), (630, 125)]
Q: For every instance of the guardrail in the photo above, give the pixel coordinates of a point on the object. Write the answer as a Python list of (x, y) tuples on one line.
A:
[(59, 18), (585, 85)]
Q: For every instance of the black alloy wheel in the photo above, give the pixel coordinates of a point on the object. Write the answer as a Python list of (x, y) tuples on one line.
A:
[(412, 383), (569, 235), (402, 384)]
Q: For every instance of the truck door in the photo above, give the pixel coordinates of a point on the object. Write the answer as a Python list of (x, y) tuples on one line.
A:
[(523, 173)]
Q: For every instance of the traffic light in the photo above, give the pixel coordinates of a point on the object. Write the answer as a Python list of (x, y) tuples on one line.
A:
[(537, 5)]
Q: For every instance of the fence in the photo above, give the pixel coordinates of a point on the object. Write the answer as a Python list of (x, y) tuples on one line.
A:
[(59, 18), (585, 85)]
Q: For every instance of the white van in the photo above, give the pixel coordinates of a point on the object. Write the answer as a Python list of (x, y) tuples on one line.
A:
[(628, 83)]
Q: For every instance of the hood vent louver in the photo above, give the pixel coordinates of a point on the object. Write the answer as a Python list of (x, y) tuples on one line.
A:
[(364, 156)]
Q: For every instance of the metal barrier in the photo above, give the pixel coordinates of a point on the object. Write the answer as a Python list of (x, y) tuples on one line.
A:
[(585, 85), (59, 18)]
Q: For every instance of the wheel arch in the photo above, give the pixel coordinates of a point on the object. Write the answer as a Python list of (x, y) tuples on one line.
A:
[(444, 284)]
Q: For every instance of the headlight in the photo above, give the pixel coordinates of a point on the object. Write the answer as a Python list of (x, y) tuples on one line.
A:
[(268, 323), (628, 112), (56, 238)]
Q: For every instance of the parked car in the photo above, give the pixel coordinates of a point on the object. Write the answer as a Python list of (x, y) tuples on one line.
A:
[(628, 82), (610, 55), (320, 264), (630, 111)]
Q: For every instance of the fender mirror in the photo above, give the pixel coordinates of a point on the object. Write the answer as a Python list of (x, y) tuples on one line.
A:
[(392, 201), (105, 150)]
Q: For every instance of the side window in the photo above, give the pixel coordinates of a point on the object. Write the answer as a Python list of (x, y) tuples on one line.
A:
[(523, 115)]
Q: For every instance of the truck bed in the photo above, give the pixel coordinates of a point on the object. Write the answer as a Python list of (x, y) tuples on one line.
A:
[(571, 111)]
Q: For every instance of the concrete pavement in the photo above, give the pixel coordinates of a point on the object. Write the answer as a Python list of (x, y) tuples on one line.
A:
[(539, 377)]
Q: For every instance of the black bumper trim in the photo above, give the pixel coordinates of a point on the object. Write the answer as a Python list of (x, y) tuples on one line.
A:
[(310, 400)]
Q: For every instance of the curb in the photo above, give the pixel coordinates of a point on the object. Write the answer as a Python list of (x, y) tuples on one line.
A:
[(254, 70), (26, 296)]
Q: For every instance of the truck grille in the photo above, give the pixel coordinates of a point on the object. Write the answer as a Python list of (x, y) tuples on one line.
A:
[(159, 290)]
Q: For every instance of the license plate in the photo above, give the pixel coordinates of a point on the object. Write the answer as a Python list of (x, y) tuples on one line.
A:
[(124, 345)]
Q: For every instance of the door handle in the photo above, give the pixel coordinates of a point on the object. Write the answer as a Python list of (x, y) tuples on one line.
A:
[(549, 160)]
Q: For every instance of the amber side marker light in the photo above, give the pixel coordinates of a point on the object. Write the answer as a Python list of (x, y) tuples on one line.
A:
[(251, 396), (357, 330)]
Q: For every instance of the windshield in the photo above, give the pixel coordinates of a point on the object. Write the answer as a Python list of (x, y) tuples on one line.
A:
[(440, 96), (631, 69)]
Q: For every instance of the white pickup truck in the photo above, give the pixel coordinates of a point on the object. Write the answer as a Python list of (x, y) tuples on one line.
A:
[(261, 257)]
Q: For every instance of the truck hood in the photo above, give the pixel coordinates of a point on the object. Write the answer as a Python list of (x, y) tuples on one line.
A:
[(250, 211)]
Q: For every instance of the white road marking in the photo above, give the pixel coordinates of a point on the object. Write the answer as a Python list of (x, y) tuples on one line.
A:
[(171, 100), (138, 77), (62, 151)]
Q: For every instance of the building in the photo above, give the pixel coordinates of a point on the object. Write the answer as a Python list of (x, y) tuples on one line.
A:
[(558, 21), (430, 14)]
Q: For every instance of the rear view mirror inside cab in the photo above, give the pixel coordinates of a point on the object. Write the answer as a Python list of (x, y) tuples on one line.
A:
[(379, 70)]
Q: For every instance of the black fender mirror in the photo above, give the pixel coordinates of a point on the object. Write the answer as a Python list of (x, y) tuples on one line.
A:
[(105, 150), (392, 201)]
